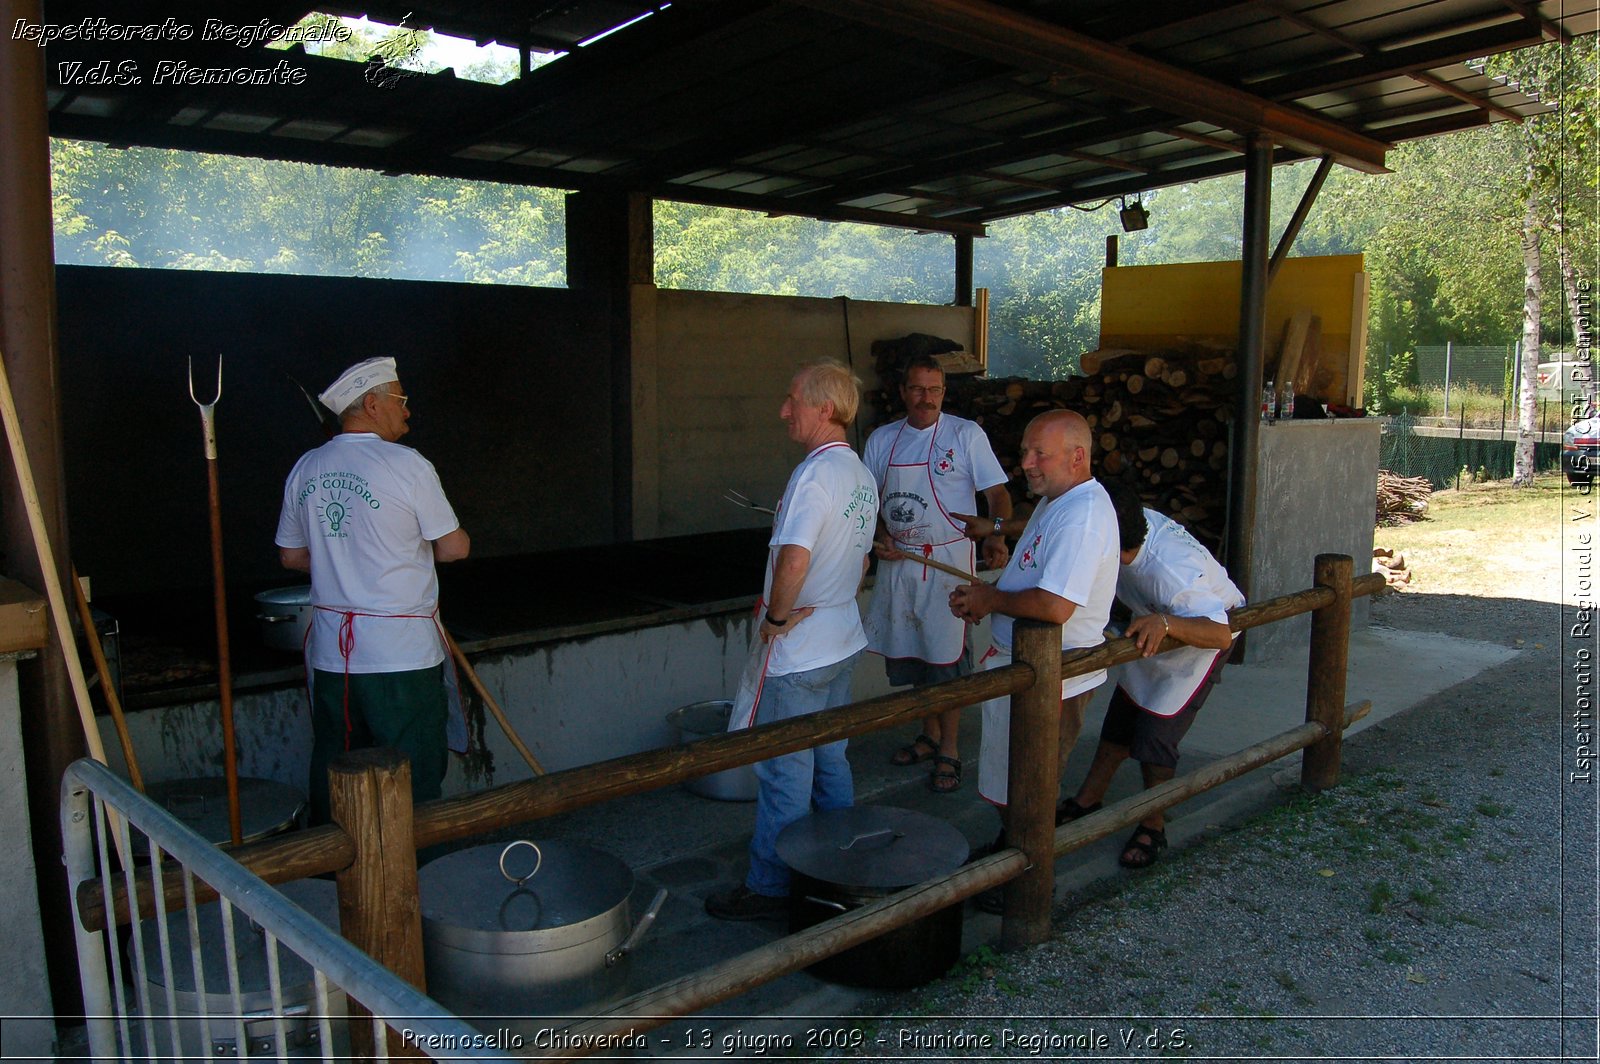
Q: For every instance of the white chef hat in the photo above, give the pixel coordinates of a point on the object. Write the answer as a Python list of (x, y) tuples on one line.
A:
[(357, 381)]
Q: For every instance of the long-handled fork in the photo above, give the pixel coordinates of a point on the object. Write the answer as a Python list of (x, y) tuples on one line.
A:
[(738, 498), (230, 764)]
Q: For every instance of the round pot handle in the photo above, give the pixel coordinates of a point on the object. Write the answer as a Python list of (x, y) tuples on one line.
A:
[(538, 861), (649, 917)]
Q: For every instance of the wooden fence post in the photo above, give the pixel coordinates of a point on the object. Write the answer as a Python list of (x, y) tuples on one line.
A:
[(1033, 777), (1325, 673), (369, 793)]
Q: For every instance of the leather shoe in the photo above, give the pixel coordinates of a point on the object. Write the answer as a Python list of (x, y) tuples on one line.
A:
[(742, 903)]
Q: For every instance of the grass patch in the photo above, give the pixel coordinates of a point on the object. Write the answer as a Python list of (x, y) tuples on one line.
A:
[(1379, 895), (1490, 808)]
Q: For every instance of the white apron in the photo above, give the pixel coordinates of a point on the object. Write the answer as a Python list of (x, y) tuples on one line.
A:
[(909, 616)]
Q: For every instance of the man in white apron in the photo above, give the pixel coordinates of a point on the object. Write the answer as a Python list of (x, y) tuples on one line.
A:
[(809, 625), (1063, 571), (1173, 586), (928, 466), (367, 518)]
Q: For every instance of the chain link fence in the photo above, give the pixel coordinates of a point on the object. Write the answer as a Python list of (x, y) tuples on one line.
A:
[(1450, 455)]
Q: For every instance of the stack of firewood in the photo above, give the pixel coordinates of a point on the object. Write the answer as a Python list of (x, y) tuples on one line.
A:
[(1157, 419), (1402, 499)]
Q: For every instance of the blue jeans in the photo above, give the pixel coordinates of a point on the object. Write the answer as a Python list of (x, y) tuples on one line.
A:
[(792, 783)]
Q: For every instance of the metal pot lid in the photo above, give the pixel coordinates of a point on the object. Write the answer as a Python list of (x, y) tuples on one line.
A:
[(266, 807), (299, 595), (873, 846), (566, 884), (702, 718), (318, 897)]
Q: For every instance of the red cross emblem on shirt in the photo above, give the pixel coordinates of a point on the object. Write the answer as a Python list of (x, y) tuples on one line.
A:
[(945, 464), (1027, 560)]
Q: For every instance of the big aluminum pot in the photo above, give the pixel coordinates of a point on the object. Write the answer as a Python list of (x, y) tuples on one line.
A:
[(284, 614), (207, 1020), (843, 859), (266, 807), (529, 929), (701, 720)]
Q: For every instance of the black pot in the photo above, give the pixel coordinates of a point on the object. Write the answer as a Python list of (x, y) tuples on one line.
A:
[(846, 858)]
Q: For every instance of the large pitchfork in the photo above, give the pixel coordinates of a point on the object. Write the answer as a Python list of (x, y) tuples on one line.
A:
[(230, 764)]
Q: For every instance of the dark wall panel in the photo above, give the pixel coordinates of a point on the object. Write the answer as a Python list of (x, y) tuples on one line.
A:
[(510, 398)]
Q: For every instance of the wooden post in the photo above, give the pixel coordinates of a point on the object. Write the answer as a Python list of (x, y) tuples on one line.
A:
[(1330, 653), (369, 794), (1032, 781)]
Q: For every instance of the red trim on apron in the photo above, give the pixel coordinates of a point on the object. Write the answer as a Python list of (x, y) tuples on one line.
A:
[(347, 645)]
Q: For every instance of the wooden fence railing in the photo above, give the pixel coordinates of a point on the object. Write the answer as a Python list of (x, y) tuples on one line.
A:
[(1026, 869)]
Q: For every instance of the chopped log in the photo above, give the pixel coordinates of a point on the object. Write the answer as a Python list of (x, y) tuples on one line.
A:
[(1155, 366), (1169, 457), (1135, 383)]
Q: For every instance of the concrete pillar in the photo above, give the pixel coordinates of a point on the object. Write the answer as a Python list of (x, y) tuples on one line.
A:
[(50, 732)]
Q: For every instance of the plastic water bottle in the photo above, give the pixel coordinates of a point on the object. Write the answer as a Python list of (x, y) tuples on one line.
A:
[(1269, 396), (1288, 399)]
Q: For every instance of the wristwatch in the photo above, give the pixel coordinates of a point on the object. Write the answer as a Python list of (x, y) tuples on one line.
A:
[(999, 523)]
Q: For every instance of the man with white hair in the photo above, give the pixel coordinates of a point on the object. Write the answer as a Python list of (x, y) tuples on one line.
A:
[(809, 624), (367, 518)]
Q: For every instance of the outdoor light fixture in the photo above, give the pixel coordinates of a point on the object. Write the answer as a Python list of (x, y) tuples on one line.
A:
[(1134, 216)]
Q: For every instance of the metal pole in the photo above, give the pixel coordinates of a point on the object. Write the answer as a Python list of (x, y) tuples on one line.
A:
[(963, 269), (1447, 346), (1244, 455)]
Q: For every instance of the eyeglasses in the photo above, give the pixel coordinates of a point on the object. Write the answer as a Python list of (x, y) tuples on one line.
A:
[(931, 393), (402, 399)]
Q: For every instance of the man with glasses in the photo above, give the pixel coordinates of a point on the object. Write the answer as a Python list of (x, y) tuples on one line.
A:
[(929, 466), (368, 519)]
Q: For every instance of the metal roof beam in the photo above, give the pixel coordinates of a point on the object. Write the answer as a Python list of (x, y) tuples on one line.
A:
[(979, 27)]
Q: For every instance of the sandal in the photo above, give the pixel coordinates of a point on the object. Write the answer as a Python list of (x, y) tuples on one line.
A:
[(911, 753), (1069, 809), (945, 782), (1147, 844)]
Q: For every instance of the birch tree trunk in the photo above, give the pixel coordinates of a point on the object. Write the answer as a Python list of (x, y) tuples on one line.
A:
[(1528, 394)]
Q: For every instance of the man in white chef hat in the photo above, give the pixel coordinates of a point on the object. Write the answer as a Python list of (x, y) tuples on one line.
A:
[(368, 519)]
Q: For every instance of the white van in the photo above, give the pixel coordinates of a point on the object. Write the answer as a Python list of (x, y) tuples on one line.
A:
[(1562, 380)]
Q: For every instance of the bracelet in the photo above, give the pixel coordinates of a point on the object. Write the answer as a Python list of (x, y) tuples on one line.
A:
[(777, 623), (1166, 628)]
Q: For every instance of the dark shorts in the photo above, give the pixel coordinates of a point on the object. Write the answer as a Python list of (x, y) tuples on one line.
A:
[(1150, 738), (906, 672)]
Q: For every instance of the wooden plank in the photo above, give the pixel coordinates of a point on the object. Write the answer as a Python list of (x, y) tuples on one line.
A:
[(1325, 673), (1356, 371), (1033, 780), (22, 618), (1294, 340)]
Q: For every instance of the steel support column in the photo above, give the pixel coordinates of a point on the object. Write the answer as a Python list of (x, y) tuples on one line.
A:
[(1252, 334), (963, 269), (51, 736)]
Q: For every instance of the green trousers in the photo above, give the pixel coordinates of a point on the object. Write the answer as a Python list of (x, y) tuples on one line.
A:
[(405, 710)]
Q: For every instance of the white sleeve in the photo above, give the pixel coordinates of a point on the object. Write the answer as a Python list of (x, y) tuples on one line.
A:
[(1068, 543), (804, 514), (986, 468), (291, 529), (435, 517)]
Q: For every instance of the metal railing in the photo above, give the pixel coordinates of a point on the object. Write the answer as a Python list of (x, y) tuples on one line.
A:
[(157, 1005), (1025, 867)]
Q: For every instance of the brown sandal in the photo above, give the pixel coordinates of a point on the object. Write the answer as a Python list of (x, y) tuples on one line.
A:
[(945, 782), (912, 754)]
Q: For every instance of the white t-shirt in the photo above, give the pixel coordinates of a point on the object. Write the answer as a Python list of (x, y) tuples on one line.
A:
[(829, 507), (1174, 574), (960, 460), (368, 510), (1070, 548)]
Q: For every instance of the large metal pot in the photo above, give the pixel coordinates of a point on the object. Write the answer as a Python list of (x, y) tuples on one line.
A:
[(701, 720), (266, 807), (207, 1019), (515, 932), (284, 614), (843, 859)]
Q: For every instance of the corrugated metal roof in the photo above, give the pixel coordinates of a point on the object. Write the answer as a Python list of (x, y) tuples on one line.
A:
[(941, 114)]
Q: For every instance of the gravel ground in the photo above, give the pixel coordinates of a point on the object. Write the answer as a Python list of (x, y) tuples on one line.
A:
[(1439, 904)]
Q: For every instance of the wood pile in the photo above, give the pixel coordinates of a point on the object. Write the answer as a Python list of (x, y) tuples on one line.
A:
[(1158, 419), (1392, 564), (1401, 500)]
